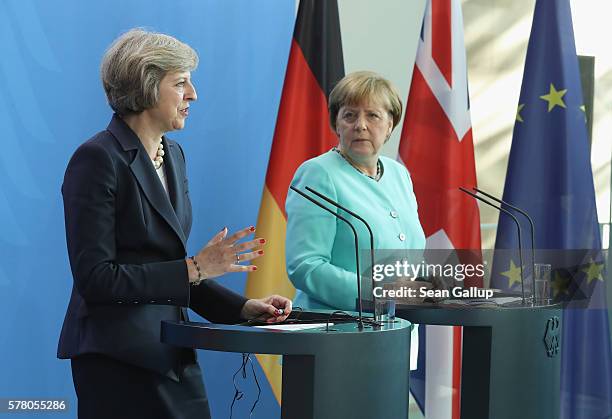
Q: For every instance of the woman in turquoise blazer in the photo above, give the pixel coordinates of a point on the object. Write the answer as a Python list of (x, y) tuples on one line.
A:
[(364, 109)]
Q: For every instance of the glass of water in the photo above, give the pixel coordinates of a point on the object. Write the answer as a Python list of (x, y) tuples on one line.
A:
[(542, 292)]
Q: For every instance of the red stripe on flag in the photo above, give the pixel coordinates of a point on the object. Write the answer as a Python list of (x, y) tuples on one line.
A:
[(457, 348), (441, 48), (302, 127)]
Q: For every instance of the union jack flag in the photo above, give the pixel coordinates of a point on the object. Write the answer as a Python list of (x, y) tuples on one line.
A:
[(437, 148)]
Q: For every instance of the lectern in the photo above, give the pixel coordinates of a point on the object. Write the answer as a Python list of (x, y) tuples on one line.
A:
[(335, 373), (510, 360)]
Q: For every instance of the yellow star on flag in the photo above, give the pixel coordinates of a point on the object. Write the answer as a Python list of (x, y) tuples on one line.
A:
[(593, 271), (559, 285), (513, 274), (518, 112), (554, 97)]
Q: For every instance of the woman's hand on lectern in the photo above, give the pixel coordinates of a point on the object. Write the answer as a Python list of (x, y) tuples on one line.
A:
[(271, 309)]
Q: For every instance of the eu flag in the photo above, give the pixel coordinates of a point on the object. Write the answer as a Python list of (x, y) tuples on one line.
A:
[(549, 176)]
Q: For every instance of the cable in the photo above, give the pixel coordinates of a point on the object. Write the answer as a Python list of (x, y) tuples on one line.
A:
[(238, 394), (256, 383)]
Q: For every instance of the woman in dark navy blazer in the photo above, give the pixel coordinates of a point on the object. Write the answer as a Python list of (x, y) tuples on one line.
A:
[(128, 217)]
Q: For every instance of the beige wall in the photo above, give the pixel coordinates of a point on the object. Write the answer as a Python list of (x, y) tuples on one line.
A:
[(593, 37)]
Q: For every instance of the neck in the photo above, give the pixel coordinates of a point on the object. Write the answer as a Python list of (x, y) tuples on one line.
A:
[(367, 166), (144, 128)]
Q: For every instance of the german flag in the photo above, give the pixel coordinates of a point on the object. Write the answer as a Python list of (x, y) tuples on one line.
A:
[(302, 132)]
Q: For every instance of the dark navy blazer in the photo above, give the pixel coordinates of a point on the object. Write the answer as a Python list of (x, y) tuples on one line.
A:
[(127, 246)]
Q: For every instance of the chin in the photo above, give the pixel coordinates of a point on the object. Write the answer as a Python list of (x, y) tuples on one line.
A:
[(178, 126), (362, 147)]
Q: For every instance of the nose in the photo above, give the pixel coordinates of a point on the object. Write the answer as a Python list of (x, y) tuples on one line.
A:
[(190, 92), (361, 123)]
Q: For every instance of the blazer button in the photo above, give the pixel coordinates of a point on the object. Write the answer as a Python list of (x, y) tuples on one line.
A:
[(119, 302), (152, 301), (169, 301), (402, 236), (394, 214), (135, 302)]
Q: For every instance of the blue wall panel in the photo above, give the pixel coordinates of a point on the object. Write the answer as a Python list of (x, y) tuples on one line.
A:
[(51, 100)]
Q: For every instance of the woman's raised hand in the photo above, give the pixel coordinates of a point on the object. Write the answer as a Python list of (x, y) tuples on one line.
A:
[(223, 254)]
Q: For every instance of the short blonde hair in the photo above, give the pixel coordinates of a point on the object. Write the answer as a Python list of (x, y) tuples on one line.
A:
[(134, 65), (364, 86)]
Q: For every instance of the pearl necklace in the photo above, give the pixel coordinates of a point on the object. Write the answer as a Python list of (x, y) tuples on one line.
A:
[(159, 156)]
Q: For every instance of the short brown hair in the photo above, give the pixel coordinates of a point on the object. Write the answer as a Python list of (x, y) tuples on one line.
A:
[(364, 86), (134, 65)]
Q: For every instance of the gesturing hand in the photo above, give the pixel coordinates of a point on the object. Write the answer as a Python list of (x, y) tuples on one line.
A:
[(222, 254)]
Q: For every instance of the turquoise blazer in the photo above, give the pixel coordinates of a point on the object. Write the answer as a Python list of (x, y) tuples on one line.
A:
[(320, 251)]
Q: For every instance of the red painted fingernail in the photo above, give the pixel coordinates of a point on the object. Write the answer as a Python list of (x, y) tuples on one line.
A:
[(254, 268), (262, 241), (260, 252), (251, 228)]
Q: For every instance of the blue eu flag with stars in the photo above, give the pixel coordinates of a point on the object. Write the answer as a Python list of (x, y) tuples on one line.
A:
[(549, 176)]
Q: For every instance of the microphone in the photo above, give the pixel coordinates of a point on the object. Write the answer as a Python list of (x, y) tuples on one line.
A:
[(302, 194), (518, 229), (531, 226), (360, 218)]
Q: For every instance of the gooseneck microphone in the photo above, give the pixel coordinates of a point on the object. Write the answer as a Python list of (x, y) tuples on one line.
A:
[(531, 226), (360, 218), (518, 229), (302, 194)]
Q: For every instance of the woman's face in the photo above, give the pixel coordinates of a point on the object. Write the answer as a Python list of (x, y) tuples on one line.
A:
[(172, 108), (362, 130)]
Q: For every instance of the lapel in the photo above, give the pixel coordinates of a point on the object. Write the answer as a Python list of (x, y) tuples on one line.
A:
[(144, 172), (173, 173), (176, 177)]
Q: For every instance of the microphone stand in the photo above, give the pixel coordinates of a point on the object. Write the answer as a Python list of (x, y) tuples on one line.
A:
[(518, 226), (302, 194), (360, 218), (531, 225)]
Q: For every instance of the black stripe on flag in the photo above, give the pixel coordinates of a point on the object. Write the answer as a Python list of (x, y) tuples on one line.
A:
[(317, 32)]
